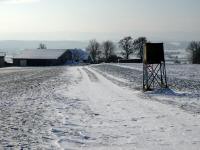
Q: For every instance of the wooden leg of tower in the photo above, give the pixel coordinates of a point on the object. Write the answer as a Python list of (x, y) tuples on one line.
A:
[(161, 74), (166, 85)]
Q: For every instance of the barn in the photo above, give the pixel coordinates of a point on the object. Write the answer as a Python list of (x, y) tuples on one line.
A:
[(2, 59), (42, 57)]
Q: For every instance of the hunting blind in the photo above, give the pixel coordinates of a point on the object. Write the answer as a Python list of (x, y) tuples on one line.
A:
[(154, 71)]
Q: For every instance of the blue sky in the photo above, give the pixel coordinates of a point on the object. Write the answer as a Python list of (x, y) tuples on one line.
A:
[(100, 19)]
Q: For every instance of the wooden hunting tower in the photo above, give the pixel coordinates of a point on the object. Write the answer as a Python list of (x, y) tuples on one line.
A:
[(154, 71)]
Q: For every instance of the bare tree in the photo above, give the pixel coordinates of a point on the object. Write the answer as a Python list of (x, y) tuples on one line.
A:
[(138, 45), (42, 46), (108, 49), (127, 46), (94, 50), (194, 49)]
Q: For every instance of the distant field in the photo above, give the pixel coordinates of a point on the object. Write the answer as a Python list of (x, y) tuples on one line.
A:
[(180, 54), (175, 73), (183, 71)]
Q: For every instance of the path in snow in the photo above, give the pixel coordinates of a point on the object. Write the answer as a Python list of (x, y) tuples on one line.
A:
[(98, 114)]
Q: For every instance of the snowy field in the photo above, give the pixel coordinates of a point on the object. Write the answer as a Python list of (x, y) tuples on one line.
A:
[(98, 107), (183, 80)]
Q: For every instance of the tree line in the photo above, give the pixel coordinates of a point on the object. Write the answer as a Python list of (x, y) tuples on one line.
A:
[(106, 51)]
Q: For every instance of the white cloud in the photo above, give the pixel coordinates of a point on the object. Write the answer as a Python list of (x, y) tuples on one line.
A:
[(17, 1)]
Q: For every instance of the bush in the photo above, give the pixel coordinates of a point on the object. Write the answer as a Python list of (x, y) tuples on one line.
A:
[(194, 49)]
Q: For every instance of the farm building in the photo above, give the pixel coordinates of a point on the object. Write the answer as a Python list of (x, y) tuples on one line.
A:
[(42, 57), (2, 59)]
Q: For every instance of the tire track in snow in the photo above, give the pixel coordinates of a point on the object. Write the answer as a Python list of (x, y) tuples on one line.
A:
[(91, 75)]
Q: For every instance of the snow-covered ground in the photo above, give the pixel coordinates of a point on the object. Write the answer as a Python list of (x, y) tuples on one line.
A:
[(183, 82), (90, 107)]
